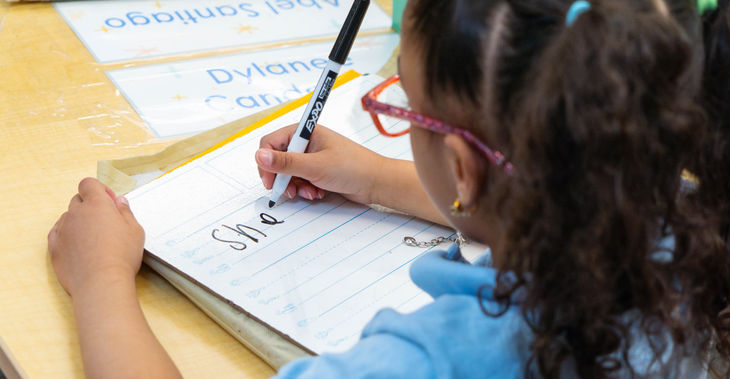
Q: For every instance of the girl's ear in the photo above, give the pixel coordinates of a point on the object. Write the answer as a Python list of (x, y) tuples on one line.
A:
[(467, 169)]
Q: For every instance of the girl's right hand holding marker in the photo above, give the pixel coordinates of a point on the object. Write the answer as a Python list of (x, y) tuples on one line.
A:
[(332, 163)]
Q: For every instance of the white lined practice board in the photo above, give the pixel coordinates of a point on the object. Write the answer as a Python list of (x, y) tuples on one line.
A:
[(121, 30), (317, 277)]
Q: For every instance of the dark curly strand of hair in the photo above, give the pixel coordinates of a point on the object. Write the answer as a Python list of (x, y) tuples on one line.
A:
[(715, 170), (599, 119)]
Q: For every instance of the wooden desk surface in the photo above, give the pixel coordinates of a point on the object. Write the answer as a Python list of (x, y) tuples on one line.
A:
[(59, 115)]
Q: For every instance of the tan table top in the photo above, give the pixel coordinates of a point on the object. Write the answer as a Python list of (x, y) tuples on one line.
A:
[(59, 115)]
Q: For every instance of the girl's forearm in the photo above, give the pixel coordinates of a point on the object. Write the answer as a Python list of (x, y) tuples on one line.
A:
[(116, 340), (399, 188)]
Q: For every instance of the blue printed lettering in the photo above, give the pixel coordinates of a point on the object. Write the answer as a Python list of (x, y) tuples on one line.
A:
[(246, 8), (268, 4), (318, 63), (309, 3), (218, 103), (252, 102), (185, 21), (133, 17), (225, 79), (247, 75), (221, 9), (293, 66), (284, 4), (282, 70), (157, 17), (119, 23), (258, 69)]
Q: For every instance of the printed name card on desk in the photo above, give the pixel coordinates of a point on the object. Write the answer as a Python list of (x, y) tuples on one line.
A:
[(314, 271), (180, 98), (121, 30)]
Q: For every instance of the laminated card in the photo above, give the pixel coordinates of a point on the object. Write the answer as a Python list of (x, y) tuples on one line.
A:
[(181, 98), (121, 30)]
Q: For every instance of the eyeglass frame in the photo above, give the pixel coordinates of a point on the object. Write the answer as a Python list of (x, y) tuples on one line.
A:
[(371, 105)]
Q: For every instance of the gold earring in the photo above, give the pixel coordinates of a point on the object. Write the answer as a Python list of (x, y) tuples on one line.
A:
[(457, 209)]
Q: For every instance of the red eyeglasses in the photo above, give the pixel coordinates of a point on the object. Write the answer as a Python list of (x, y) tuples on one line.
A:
[(376, 108)]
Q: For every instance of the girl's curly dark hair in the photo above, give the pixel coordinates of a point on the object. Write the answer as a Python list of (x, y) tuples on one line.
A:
[(599, 119), (714, 170)]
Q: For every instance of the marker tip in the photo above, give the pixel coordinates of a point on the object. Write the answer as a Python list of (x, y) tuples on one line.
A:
[(271, 203)]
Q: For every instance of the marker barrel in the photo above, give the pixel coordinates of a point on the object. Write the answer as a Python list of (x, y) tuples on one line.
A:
[(300, 139)]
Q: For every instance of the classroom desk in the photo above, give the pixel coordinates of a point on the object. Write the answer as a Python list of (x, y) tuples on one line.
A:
[(59, 115)]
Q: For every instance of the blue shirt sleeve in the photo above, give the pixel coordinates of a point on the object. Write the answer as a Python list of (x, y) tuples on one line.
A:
[(377, 356)]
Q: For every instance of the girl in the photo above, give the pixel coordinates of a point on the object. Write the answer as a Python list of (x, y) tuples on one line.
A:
[(602, 268)]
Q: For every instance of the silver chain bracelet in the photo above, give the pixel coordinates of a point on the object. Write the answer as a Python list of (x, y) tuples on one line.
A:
[(458, 238)]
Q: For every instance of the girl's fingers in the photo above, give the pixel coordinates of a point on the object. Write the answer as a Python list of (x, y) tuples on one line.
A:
[(75, 201), (308, 191), (291, 190), (53, 233), (109, 192), (123, 207), (91, 187), (267, 179)]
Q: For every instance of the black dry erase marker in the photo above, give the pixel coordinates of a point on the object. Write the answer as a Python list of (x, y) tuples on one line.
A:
[(337, 58)]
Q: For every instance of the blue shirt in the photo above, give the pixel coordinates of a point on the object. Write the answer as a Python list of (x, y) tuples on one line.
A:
[(448, 338), (453, 338)]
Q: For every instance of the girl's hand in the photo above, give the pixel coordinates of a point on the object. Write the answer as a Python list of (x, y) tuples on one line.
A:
[(332, 163), (97, 241), (96, 249)]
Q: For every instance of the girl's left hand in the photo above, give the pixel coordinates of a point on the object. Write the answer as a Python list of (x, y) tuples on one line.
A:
[(97, 242)]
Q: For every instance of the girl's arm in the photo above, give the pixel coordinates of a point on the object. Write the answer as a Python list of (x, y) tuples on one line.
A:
[(116, 340), (96, 250), (399, 188)]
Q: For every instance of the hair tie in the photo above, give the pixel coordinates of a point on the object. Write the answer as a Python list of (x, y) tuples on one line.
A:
[(576, 9), (706, 5)]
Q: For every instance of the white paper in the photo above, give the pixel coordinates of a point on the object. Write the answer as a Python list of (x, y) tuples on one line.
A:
[(120, 30), (320, 276), (182, 98)]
